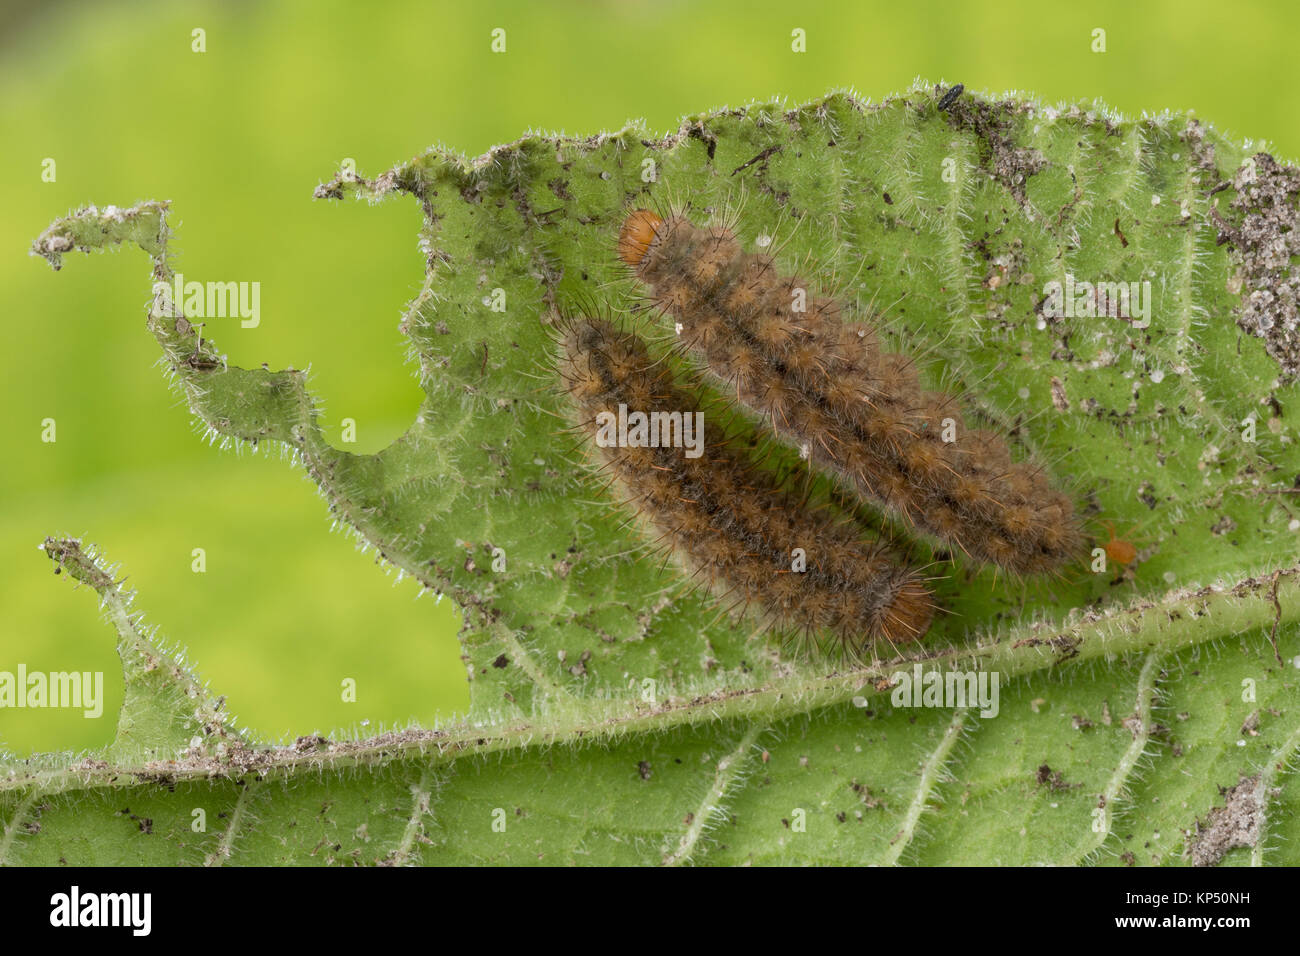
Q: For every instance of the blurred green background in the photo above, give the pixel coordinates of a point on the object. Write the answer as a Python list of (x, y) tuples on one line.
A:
[(238, 136)]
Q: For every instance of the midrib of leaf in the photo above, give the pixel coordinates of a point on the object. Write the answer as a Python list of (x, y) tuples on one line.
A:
[(1176, 621)]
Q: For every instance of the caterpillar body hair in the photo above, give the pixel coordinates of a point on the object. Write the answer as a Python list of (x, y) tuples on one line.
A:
[(829, 388), (728, 521)]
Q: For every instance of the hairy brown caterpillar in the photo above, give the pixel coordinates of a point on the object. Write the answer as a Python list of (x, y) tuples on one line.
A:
[(828, 387), (726, 519)]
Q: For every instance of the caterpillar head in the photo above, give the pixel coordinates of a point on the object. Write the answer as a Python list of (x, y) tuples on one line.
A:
[(636, 235)]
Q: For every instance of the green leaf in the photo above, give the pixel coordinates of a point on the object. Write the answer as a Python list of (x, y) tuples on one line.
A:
[(616, 716)]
